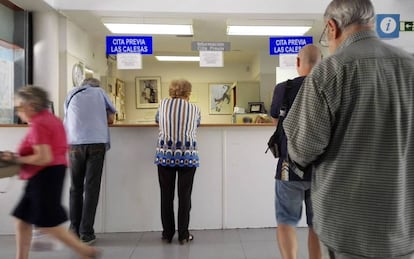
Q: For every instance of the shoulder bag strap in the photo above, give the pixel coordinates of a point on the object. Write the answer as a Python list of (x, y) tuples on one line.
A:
[(76, 92)]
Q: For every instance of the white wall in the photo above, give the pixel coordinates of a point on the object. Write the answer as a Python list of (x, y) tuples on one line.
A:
[(46, 54), (270, 8), (86, 49), (233, 187), (58, 44), (199, 77)]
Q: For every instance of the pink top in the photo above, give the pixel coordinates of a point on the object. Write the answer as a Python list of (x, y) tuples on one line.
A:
[(45, 128)]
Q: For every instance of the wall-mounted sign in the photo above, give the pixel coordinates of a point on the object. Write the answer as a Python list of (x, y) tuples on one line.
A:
[(128, 44), (388, 25), (129, 61), (210, 46), (406, 26), (211, 59), (288, 45)]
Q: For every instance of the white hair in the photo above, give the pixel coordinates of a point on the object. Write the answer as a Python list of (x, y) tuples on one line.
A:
[(91, 81), (349, 12)]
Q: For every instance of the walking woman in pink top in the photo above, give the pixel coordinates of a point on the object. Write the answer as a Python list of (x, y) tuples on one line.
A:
[(42, 154)]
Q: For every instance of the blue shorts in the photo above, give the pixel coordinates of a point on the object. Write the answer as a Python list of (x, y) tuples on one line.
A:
[(289, 197)]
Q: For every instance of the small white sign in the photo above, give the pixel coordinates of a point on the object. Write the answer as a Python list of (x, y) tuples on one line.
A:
[(211, 59), (129, 61), (287, 60)]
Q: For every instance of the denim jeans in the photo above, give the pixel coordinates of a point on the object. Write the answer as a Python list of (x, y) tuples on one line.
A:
[(289, 198), (86, 163)]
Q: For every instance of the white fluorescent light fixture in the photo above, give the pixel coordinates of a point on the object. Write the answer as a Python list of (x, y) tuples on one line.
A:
[(250, 30), (178, 58), (150, 29)]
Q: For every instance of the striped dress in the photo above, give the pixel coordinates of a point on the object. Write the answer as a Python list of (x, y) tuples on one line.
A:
[(353, 119), (178, 120)]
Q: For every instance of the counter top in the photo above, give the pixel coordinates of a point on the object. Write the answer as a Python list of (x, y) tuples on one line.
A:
[(202, 125), (144, 125)]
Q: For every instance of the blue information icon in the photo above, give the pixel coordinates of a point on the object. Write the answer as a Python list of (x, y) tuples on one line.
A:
[(388, 25)]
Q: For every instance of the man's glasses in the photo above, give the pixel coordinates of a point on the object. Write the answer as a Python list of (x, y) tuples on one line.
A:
[(324, 37)]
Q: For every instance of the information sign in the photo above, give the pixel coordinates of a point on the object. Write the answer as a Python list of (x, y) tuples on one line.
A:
[(128, 44), (210, 46), (288, 45), (388, 25)]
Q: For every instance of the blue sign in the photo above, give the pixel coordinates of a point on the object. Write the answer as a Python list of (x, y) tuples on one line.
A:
[(288, 45), (388, 25), (128, 44)]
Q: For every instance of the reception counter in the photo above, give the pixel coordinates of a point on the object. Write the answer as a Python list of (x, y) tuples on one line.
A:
[(233, 187)]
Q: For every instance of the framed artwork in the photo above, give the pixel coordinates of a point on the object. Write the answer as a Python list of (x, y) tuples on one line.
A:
[(147, 92), (110, 90), (120, 99), (256, 107), (221, 98), (119, 87)]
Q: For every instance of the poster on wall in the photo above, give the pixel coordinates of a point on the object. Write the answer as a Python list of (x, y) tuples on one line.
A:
[(147, 92), (120, 99), (221, 98)]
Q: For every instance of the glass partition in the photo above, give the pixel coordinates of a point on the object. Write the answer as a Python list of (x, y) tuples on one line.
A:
[(15, 39), (10, 57)]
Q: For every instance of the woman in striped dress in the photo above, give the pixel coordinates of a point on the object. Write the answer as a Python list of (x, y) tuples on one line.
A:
[(177, 155)]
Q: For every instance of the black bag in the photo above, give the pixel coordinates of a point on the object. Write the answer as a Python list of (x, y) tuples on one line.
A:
[(275, 141)]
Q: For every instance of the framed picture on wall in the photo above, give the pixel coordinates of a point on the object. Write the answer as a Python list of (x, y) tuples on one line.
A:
[(221, 98), (256, 107), (120, 99), (147, 92), (119, 88)]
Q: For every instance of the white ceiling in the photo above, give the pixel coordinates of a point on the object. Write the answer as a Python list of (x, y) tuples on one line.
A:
[(210, 19), (206, 27)]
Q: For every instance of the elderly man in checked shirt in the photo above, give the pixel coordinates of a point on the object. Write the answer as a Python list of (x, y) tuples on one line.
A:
[(353, 121)]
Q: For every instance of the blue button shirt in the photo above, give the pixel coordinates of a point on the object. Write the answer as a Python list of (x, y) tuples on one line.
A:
[(86, 115)]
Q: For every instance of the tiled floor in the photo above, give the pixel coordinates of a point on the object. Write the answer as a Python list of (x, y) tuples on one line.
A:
[(207, 244)]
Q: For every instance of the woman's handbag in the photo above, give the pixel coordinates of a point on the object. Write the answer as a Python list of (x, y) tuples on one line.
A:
[(8, 168)]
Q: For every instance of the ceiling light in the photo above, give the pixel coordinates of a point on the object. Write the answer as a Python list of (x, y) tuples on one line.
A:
[(250, 30), (151, 29), (177, 58)]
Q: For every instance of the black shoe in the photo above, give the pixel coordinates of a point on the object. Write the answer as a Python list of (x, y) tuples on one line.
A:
[(186, 240), (166, 239), (88, 239)]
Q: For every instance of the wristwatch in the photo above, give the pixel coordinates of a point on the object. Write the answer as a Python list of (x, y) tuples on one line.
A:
[(77, 74)]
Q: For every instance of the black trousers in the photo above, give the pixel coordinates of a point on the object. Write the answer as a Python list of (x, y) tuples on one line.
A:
[(166, 177)]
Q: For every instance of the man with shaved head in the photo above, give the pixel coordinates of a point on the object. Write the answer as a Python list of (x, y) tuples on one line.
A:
[(292, 189)]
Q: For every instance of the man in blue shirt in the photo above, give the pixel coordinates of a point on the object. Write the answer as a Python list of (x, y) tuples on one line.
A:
[(291, 190), (88, 111)]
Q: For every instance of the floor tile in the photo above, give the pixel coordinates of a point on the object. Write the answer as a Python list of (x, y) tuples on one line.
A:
[(207, 244)]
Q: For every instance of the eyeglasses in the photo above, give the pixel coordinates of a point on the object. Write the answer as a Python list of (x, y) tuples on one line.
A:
[(324, 37), (18, 108)]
